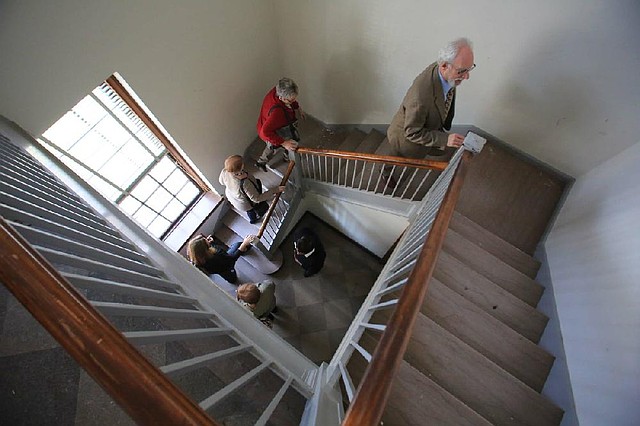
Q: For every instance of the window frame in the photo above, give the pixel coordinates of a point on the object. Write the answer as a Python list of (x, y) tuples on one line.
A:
[(130, 99)]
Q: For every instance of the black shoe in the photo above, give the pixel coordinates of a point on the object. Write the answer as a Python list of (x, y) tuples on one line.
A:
[(261, 166), (274, 310), (389, 182)]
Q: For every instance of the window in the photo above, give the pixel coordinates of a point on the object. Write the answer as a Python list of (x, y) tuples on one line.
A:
[(112, 143)]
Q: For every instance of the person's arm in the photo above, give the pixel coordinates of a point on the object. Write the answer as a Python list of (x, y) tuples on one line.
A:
[(273, 122), (248, 240), (257, 197)]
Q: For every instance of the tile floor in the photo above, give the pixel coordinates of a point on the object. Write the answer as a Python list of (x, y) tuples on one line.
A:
[(315, 312)]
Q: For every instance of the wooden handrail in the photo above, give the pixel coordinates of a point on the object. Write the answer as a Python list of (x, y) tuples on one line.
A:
[(142, 390), (275, 200), (371, 397), (374, 158)]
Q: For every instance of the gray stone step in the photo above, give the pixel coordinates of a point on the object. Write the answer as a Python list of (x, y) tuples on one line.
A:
[(253, 257), (494, 245), (490, 297)]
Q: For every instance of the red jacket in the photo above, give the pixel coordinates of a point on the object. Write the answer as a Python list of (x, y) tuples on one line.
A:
[(268, 123)]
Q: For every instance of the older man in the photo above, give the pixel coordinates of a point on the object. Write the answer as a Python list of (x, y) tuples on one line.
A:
[(277, 121), (419, 127)]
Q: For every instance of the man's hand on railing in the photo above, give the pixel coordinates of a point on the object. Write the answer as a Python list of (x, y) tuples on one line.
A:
[(455, 140), (290, 144), (281, 188)]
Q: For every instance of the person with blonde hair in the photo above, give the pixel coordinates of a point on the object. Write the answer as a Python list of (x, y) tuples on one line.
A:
[(214, 259), (244, 191), (259, 298)]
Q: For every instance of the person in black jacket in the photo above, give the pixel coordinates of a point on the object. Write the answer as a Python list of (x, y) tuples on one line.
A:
[(214, 259), (309, 252)]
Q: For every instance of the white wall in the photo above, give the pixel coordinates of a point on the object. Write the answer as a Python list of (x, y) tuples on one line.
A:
[(202, 67), (556, 79), (593, 252), (373, 229)]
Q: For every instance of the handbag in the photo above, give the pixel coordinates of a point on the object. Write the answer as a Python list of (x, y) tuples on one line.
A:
[(261, 207), (289, 131)]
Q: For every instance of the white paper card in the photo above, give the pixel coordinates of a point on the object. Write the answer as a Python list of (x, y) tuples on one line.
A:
[(473, 142)]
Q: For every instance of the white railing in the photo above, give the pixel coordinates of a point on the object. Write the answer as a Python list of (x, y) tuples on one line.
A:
[(101, 250), (369, 172), (393, 277)]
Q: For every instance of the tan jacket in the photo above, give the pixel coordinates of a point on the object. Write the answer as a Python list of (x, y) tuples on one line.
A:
[(421, 120), (236, 197), (267, 301)]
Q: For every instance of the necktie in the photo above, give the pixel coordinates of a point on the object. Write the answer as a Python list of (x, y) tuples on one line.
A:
[(447, 101)]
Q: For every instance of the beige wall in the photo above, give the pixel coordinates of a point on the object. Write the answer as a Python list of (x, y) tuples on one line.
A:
[(556, 79), (594, 262), (202, 67)]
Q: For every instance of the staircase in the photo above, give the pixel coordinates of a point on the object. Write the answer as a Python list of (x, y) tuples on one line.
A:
[(473, 357), (214, 363)]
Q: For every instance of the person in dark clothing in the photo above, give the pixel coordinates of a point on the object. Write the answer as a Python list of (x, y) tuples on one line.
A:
[(309, 252), (215, 259)]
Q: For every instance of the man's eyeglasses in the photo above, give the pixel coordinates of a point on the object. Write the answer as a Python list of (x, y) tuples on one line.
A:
[(462, 71)]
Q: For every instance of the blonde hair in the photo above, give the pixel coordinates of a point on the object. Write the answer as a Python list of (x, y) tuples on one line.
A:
[(233, 164), (249, 293), (199, 250)]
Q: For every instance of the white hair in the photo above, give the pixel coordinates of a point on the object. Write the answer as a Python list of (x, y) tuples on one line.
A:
[(448, 53), (286, 88)]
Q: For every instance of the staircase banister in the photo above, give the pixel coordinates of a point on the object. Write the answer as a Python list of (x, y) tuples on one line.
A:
[(275, 200), (375, 158), (373, 392), (146, 394)]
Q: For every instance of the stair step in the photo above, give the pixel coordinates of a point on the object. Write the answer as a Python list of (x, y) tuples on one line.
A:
[(495, 245), (493, 268), (384, 148), (310, 129), (352, 140), (490, 297), (415, 399), (363, 171), (237, 222), (489, 336), (479, 383), (371, 142), (254, 256)]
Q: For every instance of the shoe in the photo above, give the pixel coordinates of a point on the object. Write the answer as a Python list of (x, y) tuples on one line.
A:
[(389, 182), (261, 166)]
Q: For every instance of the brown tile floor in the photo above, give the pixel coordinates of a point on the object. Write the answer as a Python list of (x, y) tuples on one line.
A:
[(315, 312)]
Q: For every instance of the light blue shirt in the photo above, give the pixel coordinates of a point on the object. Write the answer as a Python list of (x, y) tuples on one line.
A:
[(445, 85)]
